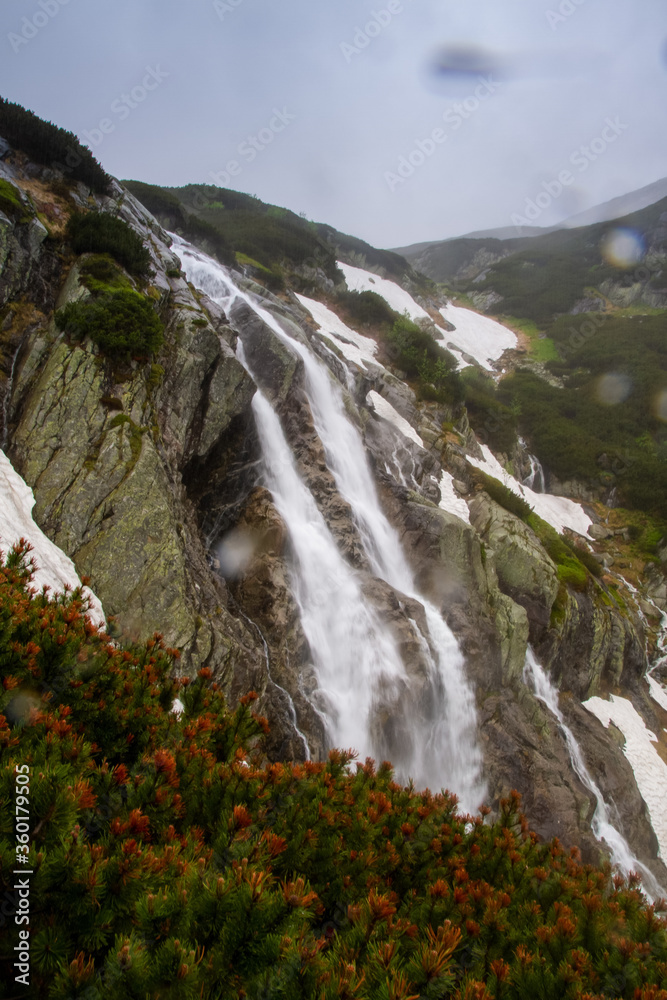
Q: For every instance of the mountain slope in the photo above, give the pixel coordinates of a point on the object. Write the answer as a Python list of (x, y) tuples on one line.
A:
[(270, 242), (187, 470), (548, 274), (625, 204)]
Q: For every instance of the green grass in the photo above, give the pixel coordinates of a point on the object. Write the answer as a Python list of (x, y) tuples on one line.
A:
[(542, 348)]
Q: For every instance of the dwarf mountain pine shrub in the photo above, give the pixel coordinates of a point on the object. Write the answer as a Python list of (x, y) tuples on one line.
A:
[(101, 233), (169, 859), (123, 323)]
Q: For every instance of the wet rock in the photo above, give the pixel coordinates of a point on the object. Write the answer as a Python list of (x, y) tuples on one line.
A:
[(525, 571)]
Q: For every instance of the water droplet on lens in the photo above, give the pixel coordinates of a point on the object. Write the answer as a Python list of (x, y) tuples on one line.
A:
[(612, 388), (622, 247)]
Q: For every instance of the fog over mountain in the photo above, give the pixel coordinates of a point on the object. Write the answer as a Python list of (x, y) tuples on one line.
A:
[(516, 90)]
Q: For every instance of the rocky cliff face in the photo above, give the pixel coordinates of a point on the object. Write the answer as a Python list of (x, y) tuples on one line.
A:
[(148, 475), (105, 445)]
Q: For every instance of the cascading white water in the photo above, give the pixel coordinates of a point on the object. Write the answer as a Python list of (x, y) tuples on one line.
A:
[(621, 854), (450, 731), (354, 657), (360, 671), (535, 478)]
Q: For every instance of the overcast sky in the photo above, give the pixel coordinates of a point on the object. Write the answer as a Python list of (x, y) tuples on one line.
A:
[(316, 104)]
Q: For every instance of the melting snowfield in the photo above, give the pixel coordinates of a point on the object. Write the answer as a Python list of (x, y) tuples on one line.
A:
[(54, 568), (559, 512), (658, 692), (650, 770), (386, 410), (353, 346), (359, 280), (450, 500), (484, 339)]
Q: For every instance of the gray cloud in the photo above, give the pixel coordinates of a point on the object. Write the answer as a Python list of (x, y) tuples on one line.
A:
[(366, 87)]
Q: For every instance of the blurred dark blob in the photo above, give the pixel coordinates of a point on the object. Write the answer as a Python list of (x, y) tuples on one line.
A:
[(455, 69), (468, 62), (612, 388)]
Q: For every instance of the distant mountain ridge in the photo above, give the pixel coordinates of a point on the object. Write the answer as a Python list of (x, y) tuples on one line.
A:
[(607, 211), (500, 275)]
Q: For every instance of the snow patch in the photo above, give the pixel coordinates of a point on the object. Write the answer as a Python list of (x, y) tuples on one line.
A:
[(396, 297), (649, 768), (54, 568), (386, 410), (658, 692), (559, 512), (483, 338), (352, 345), (450, 500)]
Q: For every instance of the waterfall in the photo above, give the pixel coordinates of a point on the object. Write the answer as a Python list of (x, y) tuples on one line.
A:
[(365, 692), (354, 656), (621, 855), (535, 478)]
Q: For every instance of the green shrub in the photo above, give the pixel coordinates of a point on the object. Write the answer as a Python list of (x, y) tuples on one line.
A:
[(156, 376), (51, 146), (221, 222), (122, 323), (168, 209), (564, 553), (100, 274), (208, 238), (164, 205), (416, 353), (365, 308), (168, 858), (503, 496), (578, 433), (493, 419), (101, 233), (585, 557)]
